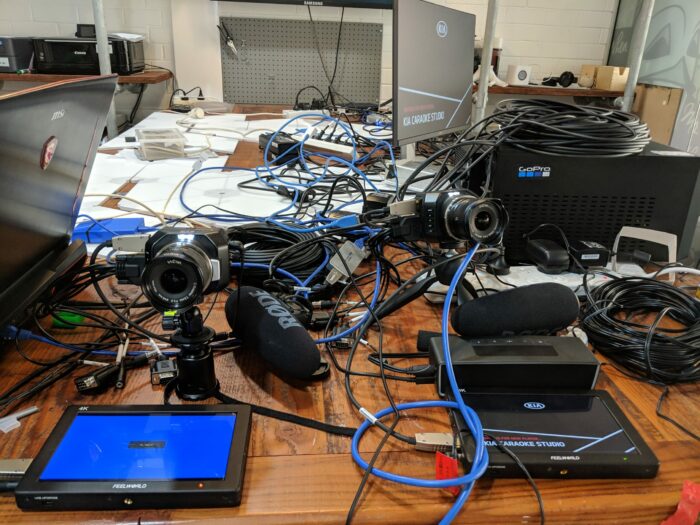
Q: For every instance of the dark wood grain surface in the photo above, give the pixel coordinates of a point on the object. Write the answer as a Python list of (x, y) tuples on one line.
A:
[(553, 91), (149, 76), (297, 475)]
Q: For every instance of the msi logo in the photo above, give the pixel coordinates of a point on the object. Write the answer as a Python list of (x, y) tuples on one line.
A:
[(58, 114)]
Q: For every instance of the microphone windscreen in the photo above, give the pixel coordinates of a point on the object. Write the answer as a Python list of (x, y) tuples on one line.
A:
[(534, 308), (264, 323)]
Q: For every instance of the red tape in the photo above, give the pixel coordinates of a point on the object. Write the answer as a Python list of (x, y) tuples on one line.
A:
[(447, 468), (688, 507)]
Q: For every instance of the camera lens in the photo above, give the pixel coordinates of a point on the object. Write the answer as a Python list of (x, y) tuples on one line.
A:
[(177, 276), (482, 221), (173, 281), (468, 218)]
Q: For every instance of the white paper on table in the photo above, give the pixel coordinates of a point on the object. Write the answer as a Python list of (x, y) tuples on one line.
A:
[(156, 183), (167, 120), (110, 172)]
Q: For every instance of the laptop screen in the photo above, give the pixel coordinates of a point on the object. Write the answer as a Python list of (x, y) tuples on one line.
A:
[(48, 141)]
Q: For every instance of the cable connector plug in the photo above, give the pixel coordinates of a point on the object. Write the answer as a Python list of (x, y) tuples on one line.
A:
[(320, 320), (435, 441), (98, 380), (163, 370), (352, 255), (368, 416)]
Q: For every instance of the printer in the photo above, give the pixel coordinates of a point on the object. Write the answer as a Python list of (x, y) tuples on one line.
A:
[(15, 53), (78, 56)]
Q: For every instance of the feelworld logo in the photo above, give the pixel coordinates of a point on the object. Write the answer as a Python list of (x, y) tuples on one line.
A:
[(441, 29)]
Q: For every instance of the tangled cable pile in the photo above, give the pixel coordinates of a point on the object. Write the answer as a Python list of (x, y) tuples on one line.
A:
[(658, 354), (555, 128)]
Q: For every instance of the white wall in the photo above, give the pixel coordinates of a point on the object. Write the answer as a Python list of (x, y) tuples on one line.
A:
[(197, 46), (152, 18), (551, 35)]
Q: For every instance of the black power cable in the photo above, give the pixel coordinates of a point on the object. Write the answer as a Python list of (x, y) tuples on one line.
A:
[(658, 356), (661, 354), (264, 241), (556, 128)]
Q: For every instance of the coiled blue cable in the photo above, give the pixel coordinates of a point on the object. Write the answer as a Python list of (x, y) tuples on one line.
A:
[(470, 417)]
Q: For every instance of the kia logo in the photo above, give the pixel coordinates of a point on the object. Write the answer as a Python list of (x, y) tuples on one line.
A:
[(441, 29), (534, 405)]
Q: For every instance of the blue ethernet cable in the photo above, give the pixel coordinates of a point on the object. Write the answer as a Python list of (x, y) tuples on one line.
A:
[(480, 462), (12, 332)]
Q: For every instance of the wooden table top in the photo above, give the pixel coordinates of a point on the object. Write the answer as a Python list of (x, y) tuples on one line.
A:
[(553, 91), (149, 76), (297, 475)]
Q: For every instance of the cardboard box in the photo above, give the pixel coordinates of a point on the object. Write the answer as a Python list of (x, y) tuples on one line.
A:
[(611, 78), (658, 106), (588, 71)]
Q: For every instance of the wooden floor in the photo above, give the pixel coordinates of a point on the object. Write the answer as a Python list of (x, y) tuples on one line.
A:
[(297, 475)]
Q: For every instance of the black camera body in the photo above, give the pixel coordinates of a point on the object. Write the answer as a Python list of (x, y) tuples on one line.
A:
[(175, 267), (452, 218)]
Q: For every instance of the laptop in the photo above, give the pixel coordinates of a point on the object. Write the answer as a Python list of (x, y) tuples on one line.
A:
[(48, 141)]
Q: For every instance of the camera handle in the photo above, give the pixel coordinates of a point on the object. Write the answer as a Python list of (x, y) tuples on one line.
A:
[(196, 378)]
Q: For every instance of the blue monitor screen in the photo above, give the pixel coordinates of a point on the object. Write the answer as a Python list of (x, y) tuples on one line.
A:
[(156, 447)]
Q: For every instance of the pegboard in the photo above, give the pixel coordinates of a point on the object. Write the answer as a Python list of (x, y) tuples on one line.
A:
[(276, 58)]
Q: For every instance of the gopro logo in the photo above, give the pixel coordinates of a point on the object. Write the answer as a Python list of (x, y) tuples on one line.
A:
[(441, 29), (534, 405), (534, 172)]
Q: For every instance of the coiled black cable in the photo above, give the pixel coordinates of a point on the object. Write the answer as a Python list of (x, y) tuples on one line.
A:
[(263, 241), (556, 128), (661, 355)]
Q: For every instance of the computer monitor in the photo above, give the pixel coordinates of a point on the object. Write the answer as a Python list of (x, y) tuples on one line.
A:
[(48, 141), (433, 66)]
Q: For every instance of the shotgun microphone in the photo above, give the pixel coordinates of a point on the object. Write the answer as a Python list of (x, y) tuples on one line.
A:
[(544, 307), (266, 324)]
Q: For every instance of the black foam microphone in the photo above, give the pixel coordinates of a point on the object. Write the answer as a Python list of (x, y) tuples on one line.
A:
[(265, 324), (534, 308)]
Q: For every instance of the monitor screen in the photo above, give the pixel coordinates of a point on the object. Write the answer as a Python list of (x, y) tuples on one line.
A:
[(564, 424), (433, 64), (367, 4), (155, 447)]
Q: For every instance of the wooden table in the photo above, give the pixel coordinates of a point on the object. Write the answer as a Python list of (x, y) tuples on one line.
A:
[(149, 76), (297, 475), (554, 91)]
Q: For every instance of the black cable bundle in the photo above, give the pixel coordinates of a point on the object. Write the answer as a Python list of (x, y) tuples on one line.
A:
[(555, 128), (263, 241), (661, 355)]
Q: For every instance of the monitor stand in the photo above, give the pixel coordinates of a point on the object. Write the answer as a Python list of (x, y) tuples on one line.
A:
[(407, 165)]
